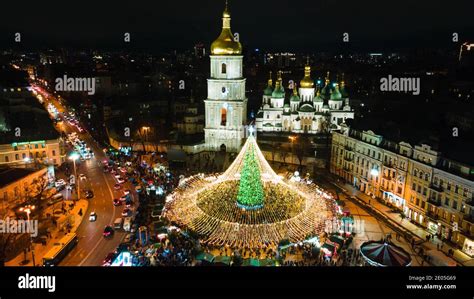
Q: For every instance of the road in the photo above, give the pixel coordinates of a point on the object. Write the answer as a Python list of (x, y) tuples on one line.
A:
[(93, 247)]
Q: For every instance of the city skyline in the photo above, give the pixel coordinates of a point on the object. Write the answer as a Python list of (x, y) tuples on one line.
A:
[(227, 133)]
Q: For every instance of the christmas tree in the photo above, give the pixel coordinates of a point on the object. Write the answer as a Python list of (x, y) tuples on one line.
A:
[(251, 194)]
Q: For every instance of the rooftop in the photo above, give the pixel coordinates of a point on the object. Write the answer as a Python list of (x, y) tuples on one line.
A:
[(11, 175)]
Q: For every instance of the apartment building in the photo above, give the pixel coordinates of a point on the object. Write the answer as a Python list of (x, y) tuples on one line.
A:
[(433, 191)]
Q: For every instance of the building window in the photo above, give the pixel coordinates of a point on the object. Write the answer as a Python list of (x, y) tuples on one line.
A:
[(6, 159), (17, 157), (54, 153), (223, 117), (224, 68), (455, 205)]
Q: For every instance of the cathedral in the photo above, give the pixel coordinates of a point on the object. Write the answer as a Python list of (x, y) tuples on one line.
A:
[(310, 109)]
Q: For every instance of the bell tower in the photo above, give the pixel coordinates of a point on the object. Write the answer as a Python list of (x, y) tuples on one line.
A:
[(226, 103)]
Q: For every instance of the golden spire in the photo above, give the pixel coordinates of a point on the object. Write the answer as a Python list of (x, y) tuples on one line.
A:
[(327, 78), (270, 81), (343, 83), (225, 44), (307, 82), (226, 16), (279, 80), (295, 89)]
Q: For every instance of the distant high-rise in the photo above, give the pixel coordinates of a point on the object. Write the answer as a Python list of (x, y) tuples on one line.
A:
[(466, 54), (199, 50)]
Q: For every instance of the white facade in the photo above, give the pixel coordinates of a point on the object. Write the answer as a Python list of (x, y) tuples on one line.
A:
[(309, 110), (226, 104)]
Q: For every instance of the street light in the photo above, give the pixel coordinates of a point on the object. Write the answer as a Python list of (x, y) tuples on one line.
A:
[(27, 209), (375, 173), (145, 129), (74, 156), (292, 140)]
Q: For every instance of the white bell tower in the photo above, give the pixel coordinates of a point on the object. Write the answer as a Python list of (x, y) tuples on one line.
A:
[(226, 103)]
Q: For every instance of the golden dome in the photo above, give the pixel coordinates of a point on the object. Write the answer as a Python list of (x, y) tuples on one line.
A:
[(307, 82), (225, 44)]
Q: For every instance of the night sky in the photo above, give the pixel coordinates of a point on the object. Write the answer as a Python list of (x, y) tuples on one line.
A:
[(267, 24)]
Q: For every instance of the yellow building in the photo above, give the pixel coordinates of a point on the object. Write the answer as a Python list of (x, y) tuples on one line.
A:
[(431, 190), (15, 185), (47, 152)]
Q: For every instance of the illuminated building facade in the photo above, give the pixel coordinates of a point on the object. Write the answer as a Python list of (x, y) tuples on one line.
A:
[(312, 108), (226, 103), (429, 189)]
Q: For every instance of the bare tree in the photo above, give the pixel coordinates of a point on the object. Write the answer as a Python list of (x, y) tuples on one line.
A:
[(275, 148), (6, 240), (284, 155), (301, 148), (37, 194), (11, 244)]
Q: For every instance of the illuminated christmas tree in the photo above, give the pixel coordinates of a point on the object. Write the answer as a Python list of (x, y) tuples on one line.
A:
[(251, 193)]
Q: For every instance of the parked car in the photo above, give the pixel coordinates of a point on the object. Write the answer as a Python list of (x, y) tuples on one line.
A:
[(126, 212), (109, 259), (59, 183)]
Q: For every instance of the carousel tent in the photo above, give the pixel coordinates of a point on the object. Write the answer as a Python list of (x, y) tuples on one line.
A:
[(205, 257), (223, 260), (384, 254), (251, 263)]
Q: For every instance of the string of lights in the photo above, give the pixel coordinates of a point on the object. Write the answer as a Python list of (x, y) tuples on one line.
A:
[(210, 205)]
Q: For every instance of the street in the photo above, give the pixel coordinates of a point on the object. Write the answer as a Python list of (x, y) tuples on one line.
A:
[(92, 246)]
